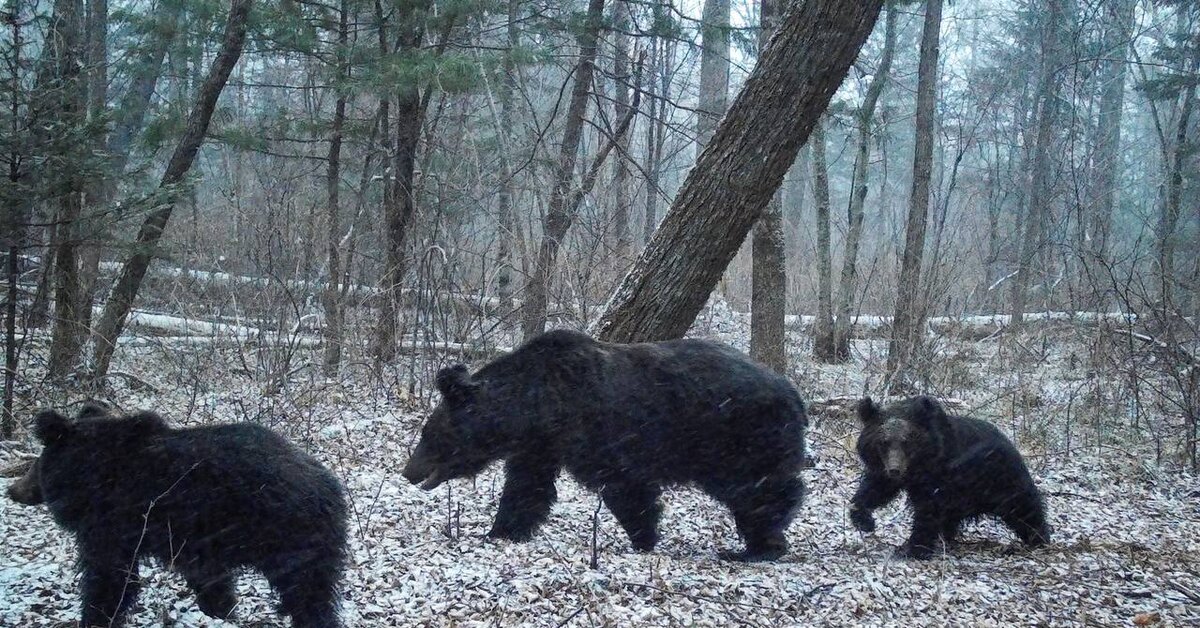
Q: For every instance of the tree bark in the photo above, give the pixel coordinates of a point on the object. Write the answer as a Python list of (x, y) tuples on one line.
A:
[(557, 220), (823, 346), (908, 322), (658, 87), (1172, 206), (16, 215), (848, 284), (1036, 215), (714, 70), (740, 169), (768, 298), (334, 314), (120, 302), (68, 87)]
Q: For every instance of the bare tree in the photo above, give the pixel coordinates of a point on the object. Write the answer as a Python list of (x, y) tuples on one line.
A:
[(823, 346), (865, 117), (622, 190), (908, 323), (714, 69), (334, 314), (558, 220), (1039, 176), (120, 302), (504, 200), (768, 302), (740, 169)]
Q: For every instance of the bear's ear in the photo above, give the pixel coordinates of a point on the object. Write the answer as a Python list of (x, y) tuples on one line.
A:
[(868, 412), (455, 383), (147, 423), (49, 426), (930, 406), (92, 409)]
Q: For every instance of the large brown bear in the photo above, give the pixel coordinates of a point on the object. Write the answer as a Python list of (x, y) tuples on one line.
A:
[(207, 501), (626, 421)]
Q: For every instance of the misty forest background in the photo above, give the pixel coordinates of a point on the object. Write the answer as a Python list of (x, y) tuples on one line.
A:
[(344, 188)]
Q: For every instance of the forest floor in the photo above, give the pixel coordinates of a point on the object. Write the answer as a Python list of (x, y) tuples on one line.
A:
[(1126, 548)]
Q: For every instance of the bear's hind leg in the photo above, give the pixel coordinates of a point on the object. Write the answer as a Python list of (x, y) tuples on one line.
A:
[(637, 509), (308, 594), (526, 499), (109, 588), (1026, 516), (762, 513), (214, 590)]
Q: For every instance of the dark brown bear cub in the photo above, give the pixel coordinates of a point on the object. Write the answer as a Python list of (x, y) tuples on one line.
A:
[(952, 468), (626, 421), (207, 501)]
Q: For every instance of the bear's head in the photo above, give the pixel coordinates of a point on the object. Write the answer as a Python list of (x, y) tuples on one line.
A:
[(904, 438), (73, 450), (459, 438)]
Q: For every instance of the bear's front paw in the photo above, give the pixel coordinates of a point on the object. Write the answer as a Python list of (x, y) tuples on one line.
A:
[(914, 551), (862, 520)]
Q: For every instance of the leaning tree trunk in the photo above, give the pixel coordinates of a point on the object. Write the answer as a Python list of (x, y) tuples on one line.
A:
[(740, 169), (1040, 179), (558, 221), (848, 282), (908, 322), (120, 302), (768, 295)]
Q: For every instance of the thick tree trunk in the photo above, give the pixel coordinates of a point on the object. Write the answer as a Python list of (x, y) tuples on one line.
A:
[(823, 346), (558, 220), (740, 169), (908, 323), (120, 302), (714, 70), (768, 298), (334, 314), (1039, 177), (68, 88), (848, 283), (96, 193)]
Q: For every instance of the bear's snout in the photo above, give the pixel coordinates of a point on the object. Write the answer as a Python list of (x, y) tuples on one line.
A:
[(420, 473)]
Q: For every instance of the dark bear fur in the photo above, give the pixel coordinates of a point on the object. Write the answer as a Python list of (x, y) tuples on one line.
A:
[(952, 468), (626, 421), (206, 501)]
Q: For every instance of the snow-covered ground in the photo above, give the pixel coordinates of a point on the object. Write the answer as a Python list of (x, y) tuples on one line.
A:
[(1126, 549)]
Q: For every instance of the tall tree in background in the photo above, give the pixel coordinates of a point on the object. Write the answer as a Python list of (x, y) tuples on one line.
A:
[(400, 203), (739, 170), (1117, 23), (64, 85), (622, 182), (908, 323), (714, 70), (1040, 178), (559, 216), (823, 350), (120, 302), (839, 346), (768, 297), (334, 314)]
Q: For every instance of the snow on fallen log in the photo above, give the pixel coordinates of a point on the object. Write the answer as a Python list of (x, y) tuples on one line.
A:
[(978, 321)]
